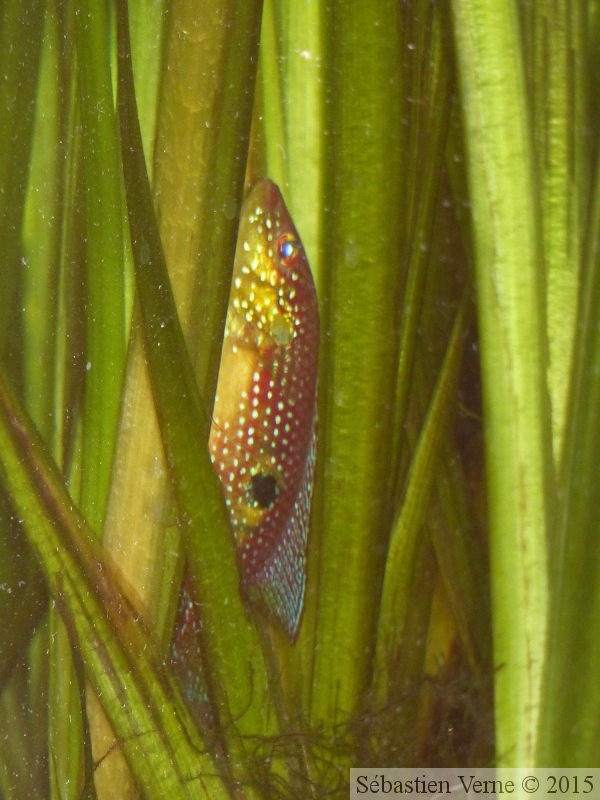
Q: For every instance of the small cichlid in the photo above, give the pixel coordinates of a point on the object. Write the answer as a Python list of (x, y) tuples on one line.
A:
[(262, 440), (263, 435)]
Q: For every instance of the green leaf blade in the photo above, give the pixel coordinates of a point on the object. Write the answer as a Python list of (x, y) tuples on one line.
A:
[(361, 238), (513, 348)]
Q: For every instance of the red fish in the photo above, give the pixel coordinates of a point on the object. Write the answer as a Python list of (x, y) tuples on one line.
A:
[(263, 436), (262, 440)]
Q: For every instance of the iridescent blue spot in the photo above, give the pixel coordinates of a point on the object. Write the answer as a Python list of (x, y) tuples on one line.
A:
[(286, 249)]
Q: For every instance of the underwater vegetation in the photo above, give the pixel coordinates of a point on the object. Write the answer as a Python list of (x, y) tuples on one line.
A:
[(390, 558)]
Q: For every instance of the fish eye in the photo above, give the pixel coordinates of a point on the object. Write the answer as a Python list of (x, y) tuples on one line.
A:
[(263, 489), (287, 247)]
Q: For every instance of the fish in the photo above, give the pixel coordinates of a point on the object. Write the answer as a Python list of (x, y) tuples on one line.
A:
[(263, 435)]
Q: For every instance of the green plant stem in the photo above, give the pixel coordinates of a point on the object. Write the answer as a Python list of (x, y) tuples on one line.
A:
[(148, 34), (403, 547), (270, 73), (20, 45), (105, 285), (293, 80), (361, 241), (559, 133), (429, 114), (42, 230), (569, 724), (510, 290)]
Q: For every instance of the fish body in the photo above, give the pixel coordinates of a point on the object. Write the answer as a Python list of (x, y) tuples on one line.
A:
[(263, 435), (262, 440)]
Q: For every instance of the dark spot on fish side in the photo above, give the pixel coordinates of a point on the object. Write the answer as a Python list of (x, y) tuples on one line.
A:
[(263, 489)]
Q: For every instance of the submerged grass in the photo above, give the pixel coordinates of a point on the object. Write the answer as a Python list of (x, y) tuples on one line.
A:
[(422, 150)]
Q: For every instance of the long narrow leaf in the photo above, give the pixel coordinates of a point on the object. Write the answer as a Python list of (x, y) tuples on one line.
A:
[(403, 542), (513, 351), (105, 286), (569, 725), (235, 667), (20, 43), (557, 54), (360, 295)]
